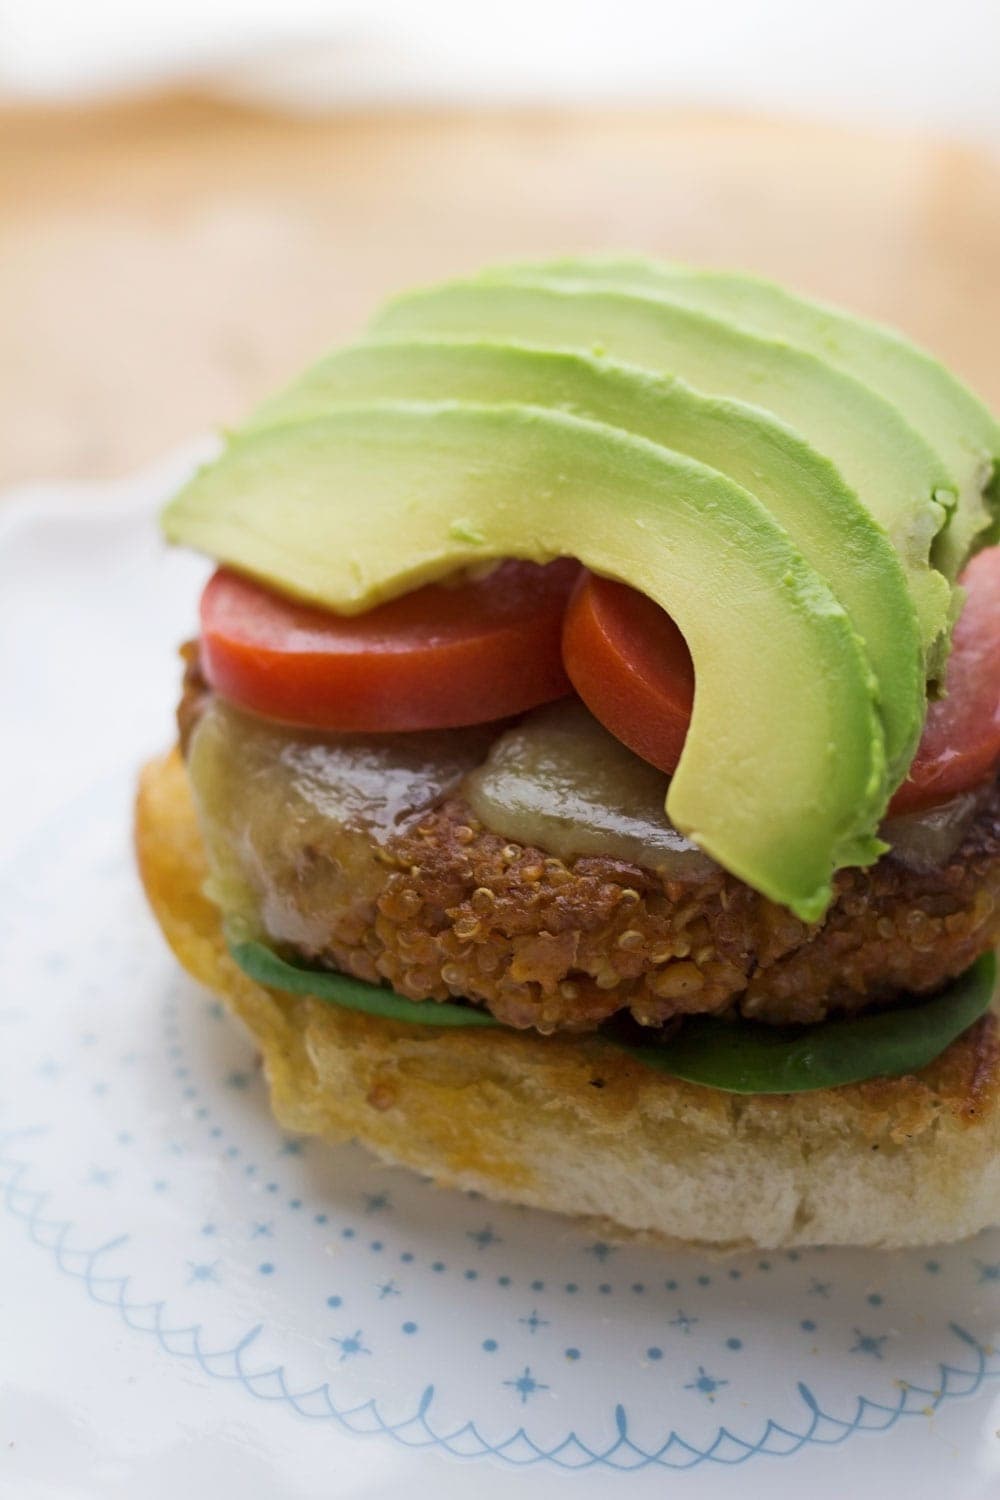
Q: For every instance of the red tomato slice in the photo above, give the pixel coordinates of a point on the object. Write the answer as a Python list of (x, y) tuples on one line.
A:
[(631, 666), (960, 748), (436, 658)]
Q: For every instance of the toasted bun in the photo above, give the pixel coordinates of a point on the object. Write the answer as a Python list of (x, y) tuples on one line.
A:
[(571, 1124)]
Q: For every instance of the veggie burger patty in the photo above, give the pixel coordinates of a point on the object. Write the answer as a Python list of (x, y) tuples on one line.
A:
[(444, 908)]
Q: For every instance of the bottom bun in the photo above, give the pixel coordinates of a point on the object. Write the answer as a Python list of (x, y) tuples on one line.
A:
[(573, 1125)]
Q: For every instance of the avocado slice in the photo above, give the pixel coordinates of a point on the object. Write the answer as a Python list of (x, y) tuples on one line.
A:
[(782, 775), (802, 490), (953, 420), (897, 476)]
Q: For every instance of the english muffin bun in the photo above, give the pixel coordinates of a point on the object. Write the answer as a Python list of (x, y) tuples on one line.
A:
[(572, 1124)]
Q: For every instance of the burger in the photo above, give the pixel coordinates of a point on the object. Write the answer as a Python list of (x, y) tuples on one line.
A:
[(586, 788)]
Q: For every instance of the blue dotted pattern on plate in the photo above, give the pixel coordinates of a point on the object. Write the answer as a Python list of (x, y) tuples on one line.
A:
[(143, 1137)]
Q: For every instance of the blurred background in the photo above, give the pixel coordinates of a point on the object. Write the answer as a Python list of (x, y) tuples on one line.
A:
[(198, 195)]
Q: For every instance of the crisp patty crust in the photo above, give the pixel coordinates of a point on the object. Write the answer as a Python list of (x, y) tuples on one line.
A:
[(550, 945), (446, 908)]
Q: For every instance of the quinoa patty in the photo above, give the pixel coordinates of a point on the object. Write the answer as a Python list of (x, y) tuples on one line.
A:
[(445, 908)]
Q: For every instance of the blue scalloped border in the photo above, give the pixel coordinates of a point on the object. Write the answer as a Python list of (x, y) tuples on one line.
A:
[(28, 1205)]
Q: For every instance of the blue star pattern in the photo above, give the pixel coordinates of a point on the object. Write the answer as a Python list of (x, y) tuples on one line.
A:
[(683, 1322), (705, 1384), (600, 1250), (376, 1202), (484, 1237), (534, 1322), (988, 1272), (819, 1288), (867, 1343), (350, 1346), (203, 1270), (526, 1385), (387, 1289)]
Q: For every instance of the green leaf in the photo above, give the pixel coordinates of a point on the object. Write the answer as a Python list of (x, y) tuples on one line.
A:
[(263, 965), (745, 1057), (738, 1057)]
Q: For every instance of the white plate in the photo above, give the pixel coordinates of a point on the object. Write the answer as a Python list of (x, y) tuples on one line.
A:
[(192, 1302)]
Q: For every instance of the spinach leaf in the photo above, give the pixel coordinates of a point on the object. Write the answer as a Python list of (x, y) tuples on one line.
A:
[(736, 1056), (263, 965), (745, 1057)]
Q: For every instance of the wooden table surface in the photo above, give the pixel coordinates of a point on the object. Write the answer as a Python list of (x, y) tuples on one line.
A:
[(163, 264)]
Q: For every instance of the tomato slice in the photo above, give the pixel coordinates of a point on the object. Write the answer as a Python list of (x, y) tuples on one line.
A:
[(960, 747), (631, 666), (436, 658)]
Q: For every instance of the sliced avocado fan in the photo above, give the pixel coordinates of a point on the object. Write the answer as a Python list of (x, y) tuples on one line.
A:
[(802, 490), (954, 421), (902, 482), (782, 777)]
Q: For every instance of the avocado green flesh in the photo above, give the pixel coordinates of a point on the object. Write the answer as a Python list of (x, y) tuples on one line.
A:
[(370, 501), (741, 1057), (802, 490), (954, 421), (898, 478)]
